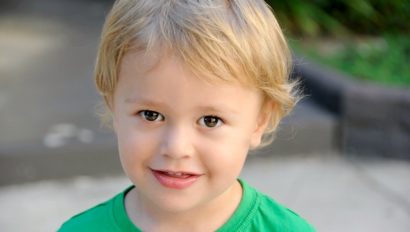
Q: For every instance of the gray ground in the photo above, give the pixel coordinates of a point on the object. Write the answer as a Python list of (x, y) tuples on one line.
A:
[(55, 160), (333, 193)]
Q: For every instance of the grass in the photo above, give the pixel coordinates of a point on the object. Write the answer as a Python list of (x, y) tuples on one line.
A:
[(384, 60)]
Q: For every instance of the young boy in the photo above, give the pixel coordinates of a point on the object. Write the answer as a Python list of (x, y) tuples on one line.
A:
[(191, 86)]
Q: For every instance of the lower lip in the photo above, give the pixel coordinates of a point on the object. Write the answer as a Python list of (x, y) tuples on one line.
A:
[(174, 182)]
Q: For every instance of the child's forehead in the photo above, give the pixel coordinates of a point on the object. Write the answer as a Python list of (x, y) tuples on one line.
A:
[(141, 62)]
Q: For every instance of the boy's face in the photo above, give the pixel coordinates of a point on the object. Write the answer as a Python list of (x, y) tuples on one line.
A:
[(182, 141)]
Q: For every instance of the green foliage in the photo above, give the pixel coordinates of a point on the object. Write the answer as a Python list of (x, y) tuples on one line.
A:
[(384, 60), (337, 17)]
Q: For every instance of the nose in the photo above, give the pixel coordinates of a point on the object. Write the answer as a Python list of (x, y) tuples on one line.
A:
[(177, 142)]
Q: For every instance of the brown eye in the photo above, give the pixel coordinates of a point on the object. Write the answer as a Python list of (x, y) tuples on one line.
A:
[(150, 115), (210, 121)]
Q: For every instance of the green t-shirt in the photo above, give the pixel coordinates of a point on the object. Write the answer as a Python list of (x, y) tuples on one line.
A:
[(256, 212)]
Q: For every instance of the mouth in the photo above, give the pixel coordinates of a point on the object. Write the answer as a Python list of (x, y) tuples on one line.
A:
[(175, 179)]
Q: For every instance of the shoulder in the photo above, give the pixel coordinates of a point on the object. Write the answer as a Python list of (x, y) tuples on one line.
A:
[(97, 218), (266, 214), (89, 220), (271, 214)]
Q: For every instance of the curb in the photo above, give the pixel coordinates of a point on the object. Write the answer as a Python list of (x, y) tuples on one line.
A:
[(375, 120)]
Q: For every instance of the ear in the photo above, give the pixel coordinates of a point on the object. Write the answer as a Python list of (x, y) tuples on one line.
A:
[(262, 123)]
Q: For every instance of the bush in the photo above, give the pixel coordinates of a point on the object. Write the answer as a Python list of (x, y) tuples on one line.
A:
[(382, 60), (336, 17)]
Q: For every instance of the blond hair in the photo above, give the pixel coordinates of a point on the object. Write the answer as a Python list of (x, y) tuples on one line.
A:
[(230, 40)]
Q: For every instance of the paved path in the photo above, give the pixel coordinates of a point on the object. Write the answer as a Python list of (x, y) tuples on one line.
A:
[(333, 193)]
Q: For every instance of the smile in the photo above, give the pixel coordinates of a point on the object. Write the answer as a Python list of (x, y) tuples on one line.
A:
[(175, 180)]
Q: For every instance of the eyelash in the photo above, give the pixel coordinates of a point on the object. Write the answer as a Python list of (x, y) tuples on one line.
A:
[(156, 115), (153, 116), (218, 120)]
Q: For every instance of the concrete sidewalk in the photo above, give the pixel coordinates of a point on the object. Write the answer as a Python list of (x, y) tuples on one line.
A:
[(333, 193)]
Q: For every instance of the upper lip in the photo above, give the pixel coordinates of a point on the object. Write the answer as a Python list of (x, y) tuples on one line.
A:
[(177, 171)]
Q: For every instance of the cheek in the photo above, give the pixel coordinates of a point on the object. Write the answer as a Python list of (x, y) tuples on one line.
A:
[(134, 148), (225, 156), (239, 139)]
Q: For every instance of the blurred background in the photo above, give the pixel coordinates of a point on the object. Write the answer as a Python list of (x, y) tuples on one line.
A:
[(341, 159)]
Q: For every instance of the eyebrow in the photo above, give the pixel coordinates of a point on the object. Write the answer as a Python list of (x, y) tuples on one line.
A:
[(205, 108), (216, 109), (145, 101)]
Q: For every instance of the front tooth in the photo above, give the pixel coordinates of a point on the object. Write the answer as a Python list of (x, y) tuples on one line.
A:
[(179, 174)]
